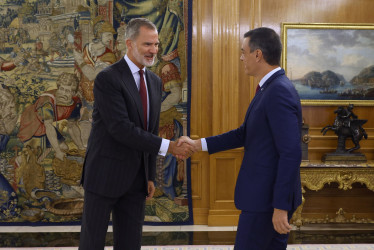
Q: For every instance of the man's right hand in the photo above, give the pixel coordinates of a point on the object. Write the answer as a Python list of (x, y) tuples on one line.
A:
[(196, 144), (181, 151)]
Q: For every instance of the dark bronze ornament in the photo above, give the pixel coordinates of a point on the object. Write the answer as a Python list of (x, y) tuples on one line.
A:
[(346, 125)]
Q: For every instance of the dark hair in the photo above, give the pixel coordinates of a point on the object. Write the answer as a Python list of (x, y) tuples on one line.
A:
[(266, 40), (133, 27)]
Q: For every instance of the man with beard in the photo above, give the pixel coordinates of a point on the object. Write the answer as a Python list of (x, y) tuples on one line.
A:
[(120, 165)]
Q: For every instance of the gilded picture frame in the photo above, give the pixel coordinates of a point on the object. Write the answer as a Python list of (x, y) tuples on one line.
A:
[(330, 64)]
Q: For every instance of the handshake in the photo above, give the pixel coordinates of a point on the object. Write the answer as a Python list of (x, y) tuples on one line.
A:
[(184, 147)]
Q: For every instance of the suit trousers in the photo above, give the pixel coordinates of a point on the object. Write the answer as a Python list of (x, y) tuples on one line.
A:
[(127, 215), (256, 232)]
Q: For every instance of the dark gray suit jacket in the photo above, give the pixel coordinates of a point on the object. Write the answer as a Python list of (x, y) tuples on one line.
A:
[(118, 146)]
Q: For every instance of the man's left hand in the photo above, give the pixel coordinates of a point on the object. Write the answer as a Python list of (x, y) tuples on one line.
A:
[(280, 221), (151, 190)]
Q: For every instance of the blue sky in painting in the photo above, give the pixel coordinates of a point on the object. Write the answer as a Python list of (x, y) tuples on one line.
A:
[(345, 52)]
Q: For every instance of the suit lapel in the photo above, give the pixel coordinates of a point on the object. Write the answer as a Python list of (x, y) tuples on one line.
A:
[(152, 100), (263, 88), (129, 82), (252, 104)]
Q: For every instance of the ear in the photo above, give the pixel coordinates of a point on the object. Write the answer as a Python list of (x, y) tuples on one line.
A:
[(258, 55), (129, 44)]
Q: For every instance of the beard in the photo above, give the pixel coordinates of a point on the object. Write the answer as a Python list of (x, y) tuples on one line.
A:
[(143, 59)]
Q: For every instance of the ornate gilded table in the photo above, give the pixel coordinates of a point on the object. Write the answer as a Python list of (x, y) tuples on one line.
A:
[(314, 175)]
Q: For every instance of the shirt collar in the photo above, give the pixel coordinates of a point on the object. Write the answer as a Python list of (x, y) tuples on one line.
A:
[(132, 66), (268, 75)]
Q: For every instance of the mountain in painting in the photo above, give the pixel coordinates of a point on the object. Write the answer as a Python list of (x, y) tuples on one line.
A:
[(365, 77), (325, 80)]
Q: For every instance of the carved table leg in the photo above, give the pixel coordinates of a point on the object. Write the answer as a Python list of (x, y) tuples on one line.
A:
[(297, 220)]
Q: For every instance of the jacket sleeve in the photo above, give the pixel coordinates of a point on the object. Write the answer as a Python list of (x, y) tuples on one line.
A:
[(109, 101), (229, 140)]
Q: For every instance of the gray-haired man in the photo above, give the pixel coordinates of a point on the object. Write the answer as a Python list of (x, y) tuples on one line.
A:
[(120, 162)]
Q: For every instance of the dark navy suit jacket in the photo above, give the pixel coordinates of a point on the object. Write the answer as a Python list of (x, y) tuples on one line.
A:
[(269, 176), (118, 146)]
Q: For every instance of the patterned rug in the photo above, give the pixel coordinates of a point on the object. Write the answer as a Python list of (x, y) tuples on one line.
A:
[(290, 247)]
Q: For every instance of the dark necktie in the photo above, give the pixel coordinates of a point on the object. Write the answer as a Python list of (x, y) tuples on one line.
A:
[(258, 88), (143, 96)]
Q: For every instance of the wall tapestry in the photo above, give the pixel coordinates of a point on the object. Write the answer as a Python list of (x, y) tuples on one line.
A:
[(50, 54)]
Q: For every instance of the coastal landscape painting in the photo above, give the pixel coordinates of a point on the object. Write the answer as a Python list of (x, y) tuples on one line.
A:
[(330, 63)]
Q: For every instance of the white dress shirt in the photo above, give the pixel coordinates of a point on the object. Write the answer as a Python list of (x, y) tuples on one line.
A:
[(135, 73)]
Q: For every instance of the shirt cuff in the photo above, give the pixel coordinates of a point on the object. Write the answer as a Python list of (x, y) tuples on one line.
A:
[(204, 145), (164, 147)]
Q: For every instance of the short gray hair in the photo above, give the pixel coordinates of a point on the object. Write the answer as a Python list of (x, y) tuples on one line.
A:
[(133, 27)]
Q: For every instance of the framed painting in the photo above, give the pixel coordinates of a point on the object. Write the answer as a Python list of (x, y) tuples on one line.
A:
[(330, 64)]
